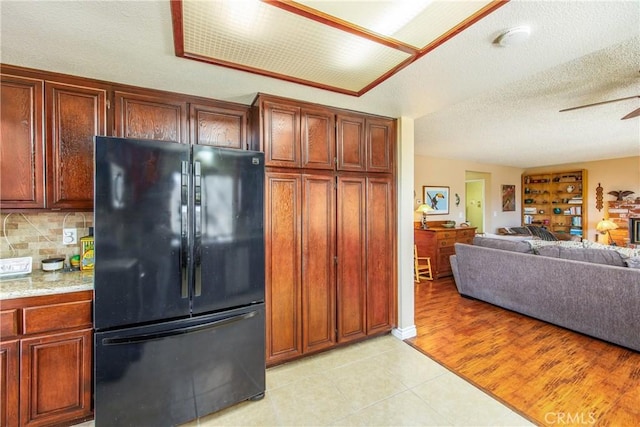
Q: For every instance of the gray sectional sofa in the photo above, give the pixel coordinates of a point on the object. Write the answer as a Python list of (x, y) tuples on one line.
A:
[(592, 297)]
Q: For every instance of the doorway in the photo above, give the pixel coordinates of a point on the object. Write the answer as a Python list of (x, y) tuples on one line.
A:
[(475, 202)]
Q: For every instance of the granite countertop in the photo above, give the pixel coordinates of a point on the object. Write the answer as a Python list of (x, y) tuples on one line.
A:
[(45, 283)]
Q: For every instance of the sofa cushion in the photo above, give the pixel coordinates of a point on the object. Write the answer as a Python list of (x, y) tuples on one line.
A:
[(505, 245), (596, 256)]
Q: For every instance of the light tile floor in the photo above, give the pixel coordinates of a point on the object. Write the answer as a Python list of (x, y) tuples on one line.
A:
[(379, 382)]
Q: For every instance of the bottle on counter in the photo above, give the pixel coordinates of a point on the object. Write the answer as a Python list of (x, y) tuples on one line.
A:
[(87, 256)]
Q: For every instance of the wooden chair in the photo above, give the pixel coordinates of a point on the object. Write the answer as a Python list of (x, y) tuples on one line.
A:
[(422, 266)]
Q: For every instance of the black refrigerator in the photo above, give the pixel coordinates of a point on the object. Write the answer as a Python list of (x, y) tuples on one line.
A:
[(179, 281)]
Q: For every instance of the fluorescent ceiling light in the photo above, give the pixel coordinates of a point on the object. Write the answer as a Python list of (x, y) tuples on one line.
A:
[(343, 46)]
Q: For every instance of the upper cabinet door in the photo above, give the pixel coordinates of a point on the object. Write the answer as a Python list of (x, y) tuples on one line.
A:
[(281, 135), (317, 137), (74, 115), (150, 117), (21, 145), (381, 136), (218, 126), (351, 143)]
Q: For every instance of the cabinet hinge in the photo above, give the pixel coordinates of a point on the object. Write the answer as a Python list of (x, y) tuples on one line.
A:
[(108, 104), (335, 260)]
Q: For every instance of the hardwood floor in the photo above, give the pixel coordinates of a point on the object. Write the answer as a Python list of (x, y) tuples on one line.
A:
[(548, 374)]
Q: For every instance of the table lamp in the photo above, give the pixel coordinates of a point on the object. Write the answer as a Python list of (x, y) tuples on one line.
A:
[(423, 209), (605, 226)]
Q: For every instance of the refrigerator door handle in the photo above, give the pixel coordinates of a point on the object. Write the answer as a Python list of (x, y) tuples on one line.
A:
[(173, 332), (198, 229), (184, 230)]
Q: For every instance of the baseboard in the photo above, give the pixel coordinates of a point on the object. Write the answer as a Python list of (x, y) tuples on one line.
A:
[(405, 333)]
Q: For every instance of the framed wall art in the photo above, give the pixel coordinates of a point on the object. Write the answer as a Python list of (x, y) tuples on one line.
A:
[(508, 198), (437, 198)]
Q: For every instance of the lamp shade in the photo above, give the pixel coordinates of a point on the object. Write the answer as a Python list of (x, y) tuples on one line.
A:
[(424, 208), (606, 225)]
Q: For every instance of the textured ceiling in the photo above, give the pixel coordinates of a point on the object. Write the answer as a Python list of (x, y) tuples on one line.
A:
[(470, 98)]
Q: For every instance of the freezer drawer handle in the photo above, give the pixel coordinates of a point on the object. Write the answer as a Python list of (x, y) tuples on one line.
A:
[(180, 331)]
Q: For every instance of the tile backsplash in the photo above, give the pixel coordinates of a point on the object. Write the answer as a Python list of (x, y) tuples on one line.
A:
[(39, 235)]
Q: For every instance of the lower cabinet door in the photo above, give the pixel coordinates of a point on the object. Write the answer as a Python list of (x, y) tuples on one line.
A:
[(283, 271), (380, 234), (55, 380), (318, 262), (352, 252), (9, 383)]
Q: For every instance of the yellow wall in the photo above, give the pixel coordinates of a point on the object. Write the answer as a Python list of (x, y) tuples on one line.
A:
[(612, 174)]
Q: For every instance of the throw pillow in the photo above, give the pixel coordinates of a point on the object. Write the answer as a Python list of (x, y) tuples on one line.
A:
[(633, 262), (536, 244), (542, 233)]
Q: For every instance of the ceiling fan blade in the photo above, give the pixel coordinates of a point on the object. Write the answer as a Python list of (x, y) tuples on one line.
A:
[(634, 113), (600, 103)]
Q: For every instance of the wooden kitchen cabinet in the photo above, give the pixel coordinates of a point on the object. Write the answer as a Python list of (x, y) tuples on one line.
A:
[(283, 271), (300, 264), (366, 290), (352, 252), (22, 183), (55, 377), (63, 151), (280, 134), (365, 143), (149, 116), (9, 382), (47, 363), (318, 262), (218, 125), (437, 242), (295, 136), (317, 127), (49, 121), (381, 271), (380, 144), (74, 115), (329, 225), (351, 143)]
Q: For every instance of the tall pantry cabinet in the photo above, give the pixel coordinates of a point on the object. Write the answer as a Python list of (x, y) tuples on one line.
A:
[(329, 225)]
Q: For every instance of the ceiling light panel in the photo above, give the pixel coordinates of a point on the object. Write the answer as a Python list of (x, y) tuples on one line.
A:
[(414, 22), (258, 37)]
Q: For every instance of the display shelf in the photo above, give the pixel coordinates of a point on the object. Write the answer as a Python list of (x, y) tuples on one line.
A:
[(555, 200)]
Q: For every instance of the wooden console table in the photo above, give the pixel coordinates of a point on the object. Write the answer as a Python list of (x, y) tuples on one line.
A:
[(437, 242)]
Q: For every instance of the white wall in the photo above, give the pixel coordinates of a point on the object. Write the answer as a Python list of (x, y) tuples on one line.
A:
[(406, 322), (453, 173)]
